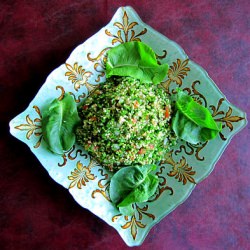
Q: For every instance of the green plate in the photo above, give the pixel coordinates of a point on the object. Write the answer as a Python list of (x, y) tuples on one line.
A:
[(87, 182)]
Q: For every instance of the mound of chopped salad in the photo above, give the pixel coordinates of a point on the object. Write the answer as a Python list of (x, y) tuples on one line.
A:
[(126, 122)]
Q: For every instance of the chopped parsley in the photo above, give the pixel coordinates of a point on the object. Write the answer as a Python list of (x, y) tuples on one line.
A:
[(126, 122)]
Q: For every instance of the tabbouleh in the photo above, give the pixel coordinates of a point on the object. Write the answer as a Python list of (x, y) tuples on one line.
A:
[(126, 122)]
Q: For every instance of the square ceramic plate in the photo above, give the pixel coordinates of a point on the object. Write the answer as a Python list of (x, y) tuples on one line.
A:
[(87, 182)]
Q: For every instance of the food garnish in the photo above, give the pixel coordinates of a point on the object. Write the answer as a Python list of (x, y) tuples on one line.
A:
[(132, 184), (192, 122), (137, 60), (59, 121)]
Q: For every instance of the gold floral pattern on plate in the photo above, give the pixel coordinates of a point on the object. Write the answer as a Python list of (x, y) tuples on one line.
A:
[(225, 117), (33, 127), (178, 173), (126, 28), (177, 72), (103, 185), (79, 76), (134, 222), (81, 175)]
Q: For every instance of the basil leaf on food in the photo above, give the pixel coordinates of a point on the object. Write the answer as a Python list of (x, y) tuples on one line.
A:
[(137, 60), (132, 184), (58, 123), (192, 122)]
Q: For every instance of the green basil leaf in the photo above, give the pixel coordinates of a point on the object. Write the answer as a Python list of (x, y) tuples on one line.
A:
[(193, 122), (137, 60), (58, 123), (132, 184), (142, 192)]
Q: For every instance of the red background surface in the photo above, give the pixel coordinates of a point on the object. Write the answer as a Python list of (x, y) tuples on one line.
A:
[(38, 36)]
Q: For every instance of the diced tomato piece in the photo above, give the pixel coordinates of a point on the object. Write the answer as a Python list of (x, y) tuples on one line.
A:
[(167, 114), (88, 144), (136, 104), (142, 151), (93, 118), (134, 120)]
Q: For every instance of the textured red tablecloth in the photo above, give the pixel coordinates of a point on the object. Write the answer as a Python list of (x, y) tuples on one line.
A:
[(38, 36)]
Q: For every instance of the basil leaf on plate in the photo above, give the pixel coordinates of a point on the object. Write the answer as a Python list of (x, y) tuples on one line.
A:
[(58, 123), (132, 184), (135, 59), (192, 122), (142, 192)]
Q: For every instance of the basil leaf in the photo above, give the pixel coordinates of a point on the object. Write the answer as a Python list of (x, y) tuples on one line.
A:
[(193, 122), (132, 184), (137, 60), (142, 192), (58, 124)]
